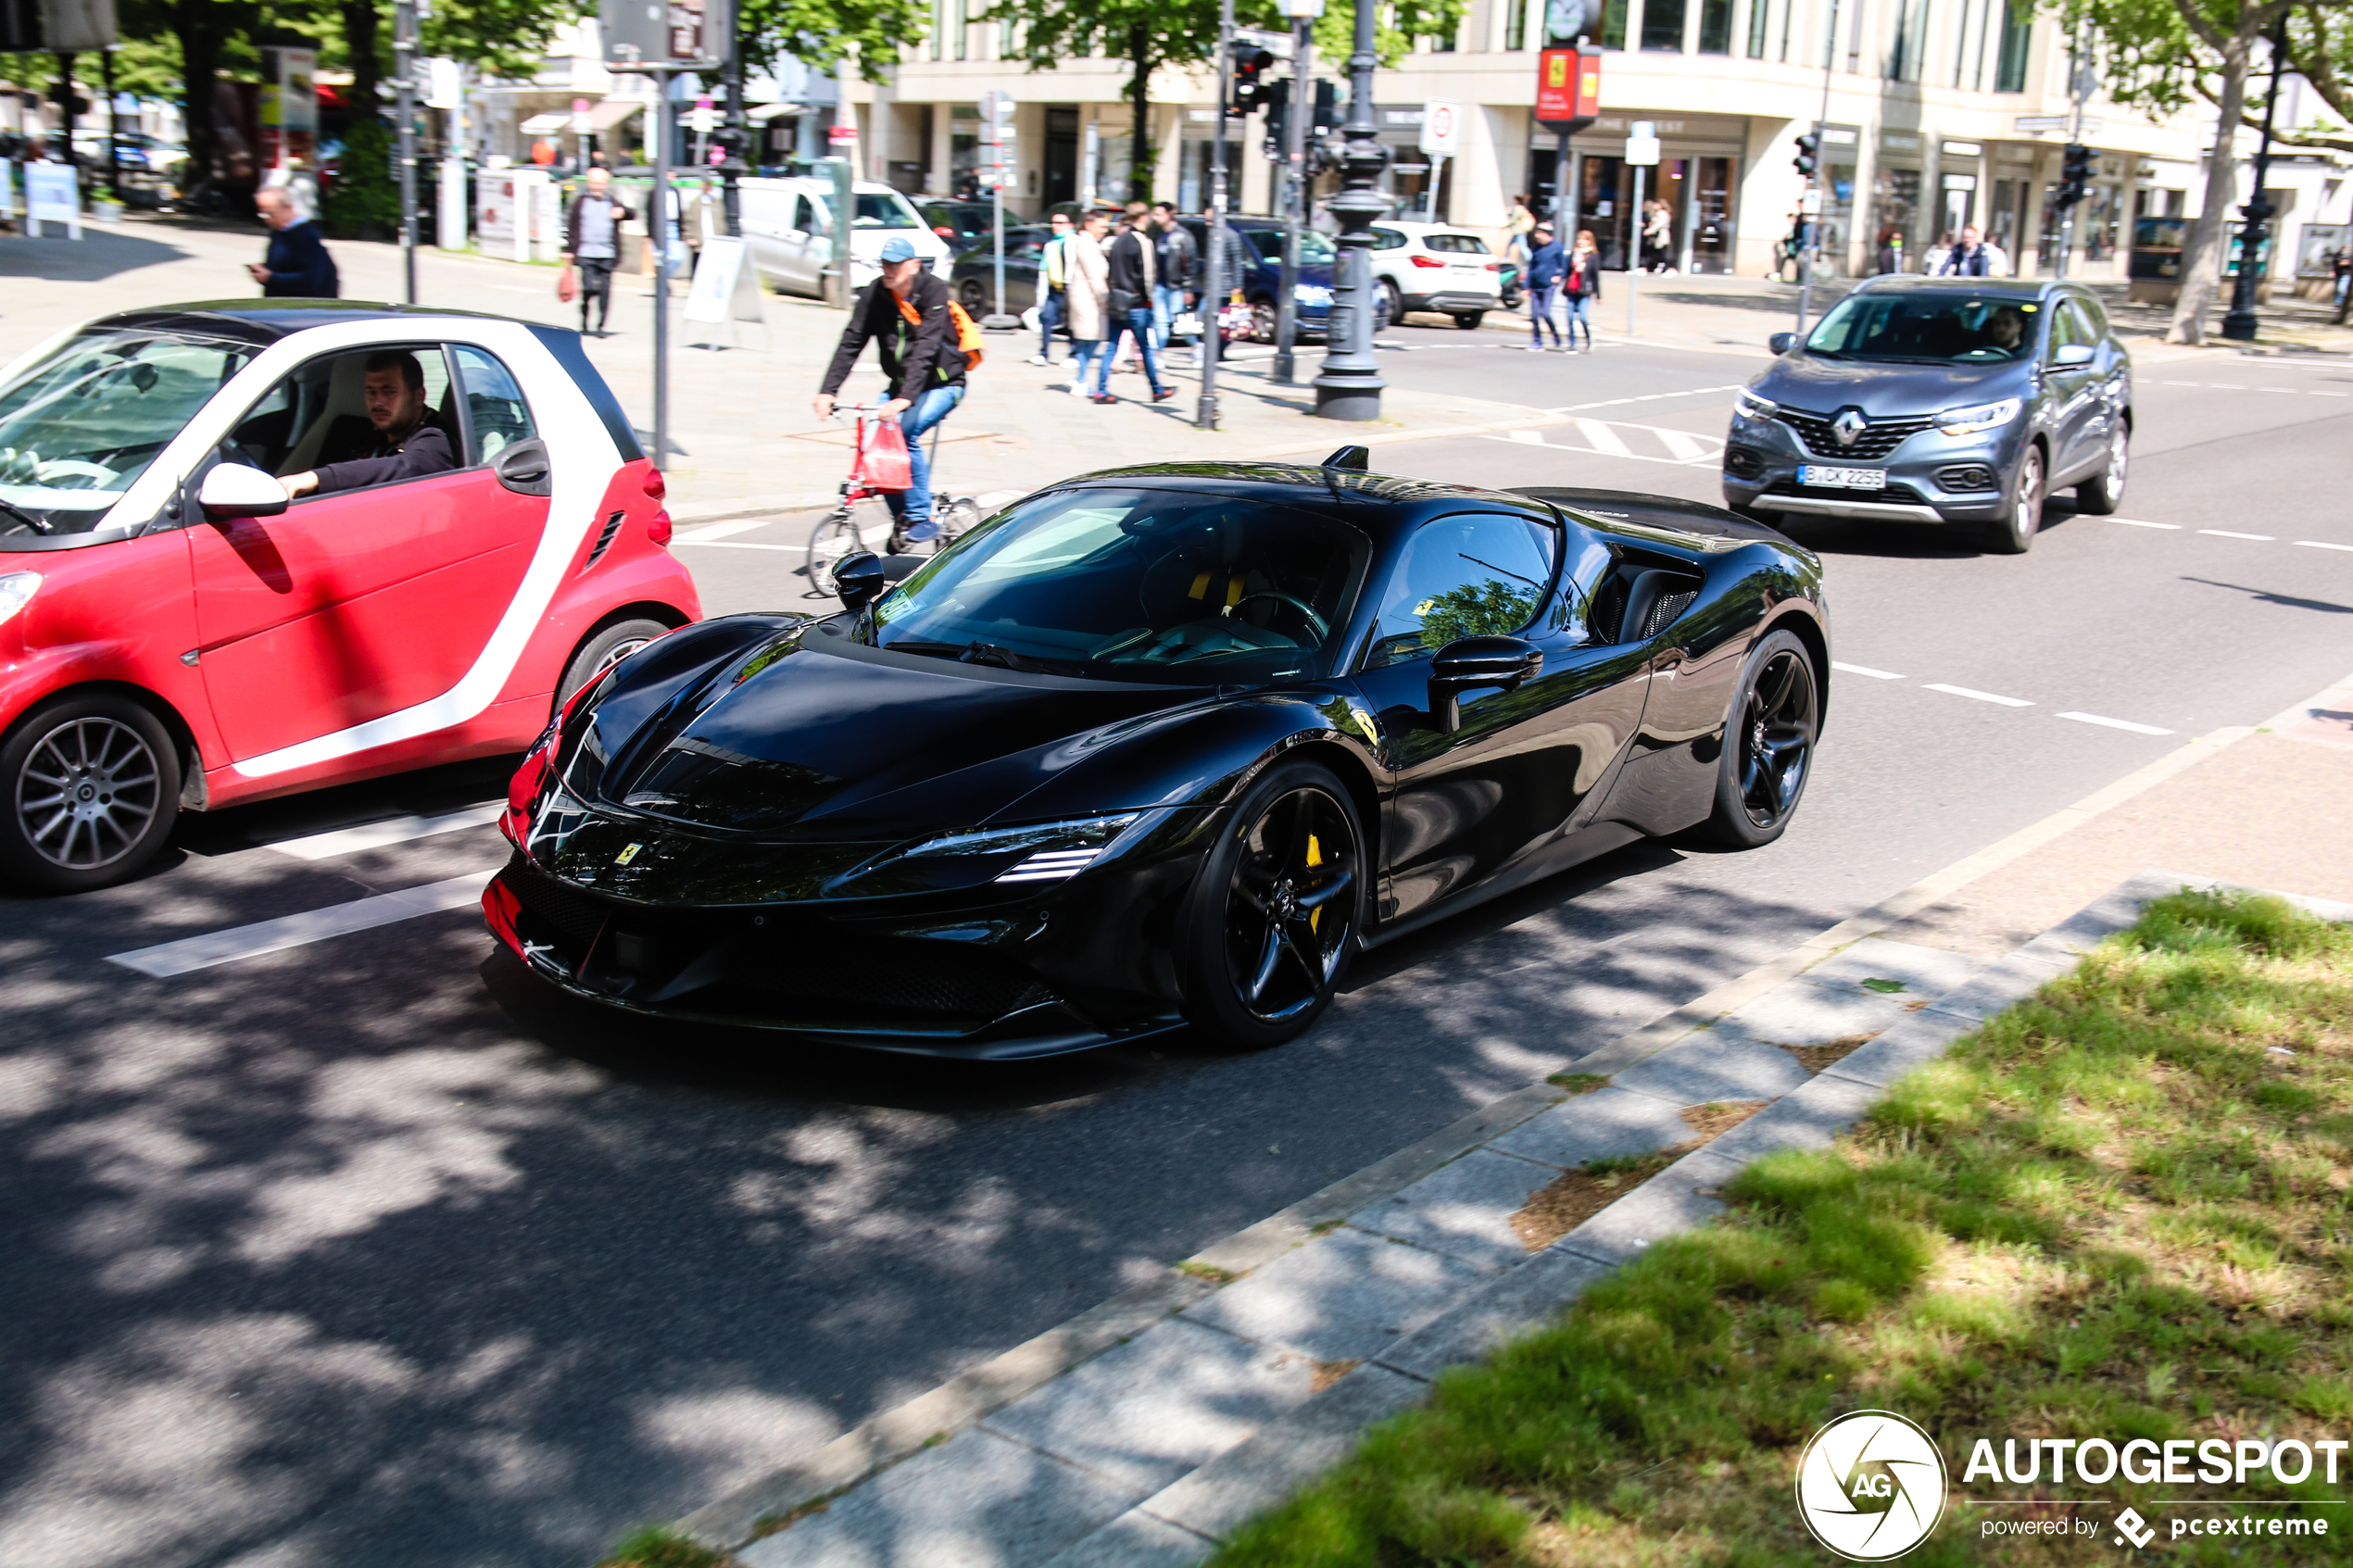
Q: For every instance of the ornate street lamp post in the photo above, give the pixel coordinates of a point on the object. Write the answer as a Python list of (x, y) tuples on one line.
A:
[(2239, 324), (1350, 386)]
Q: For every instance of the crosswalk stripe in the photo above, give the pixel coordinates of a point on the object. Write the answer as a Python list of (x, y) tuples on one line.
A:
[(375, 836), (1601, 438), (190, 953), (1684, 444)]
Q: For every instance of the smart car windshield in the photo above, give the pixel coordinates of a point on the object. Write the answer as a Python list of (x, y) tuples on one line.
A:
[(79, 426), (1136, 584), (1927, 329)]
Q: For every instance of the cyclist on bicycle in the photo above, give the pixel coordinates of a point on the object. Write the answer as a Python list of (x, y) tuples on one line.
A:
[(905, 312)]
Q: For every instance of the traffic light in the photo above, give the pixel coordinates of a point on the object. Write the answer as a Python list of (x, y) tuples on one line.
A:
[(2075, 175), (1251, 86), (1275, 98), (1809, 154), (1327, 116)]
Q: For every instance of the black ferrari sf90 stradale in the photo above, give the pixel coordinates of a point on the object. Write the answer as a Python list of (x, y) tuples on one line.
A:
[(1157, 746)]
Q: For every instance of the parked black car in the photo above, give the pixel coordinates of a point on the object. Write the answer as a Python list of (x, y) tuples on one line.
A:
[(1159, 745), (1960, 400), (974, 273), (961, 223)]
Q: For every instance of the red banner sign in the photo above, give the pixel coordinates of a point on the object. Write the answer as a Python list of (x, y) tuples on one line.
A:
[(1568, 88)]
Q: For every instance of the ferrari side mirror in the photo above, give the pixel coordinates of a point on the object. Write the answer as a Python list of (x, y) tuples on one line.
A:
[(859, 579), (235, 490), (1470, 663), (1782, 342)]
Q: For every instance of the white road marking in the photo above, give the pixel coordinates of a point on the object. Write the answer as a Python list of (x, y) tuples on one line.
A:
[(2317, 393), (2290, 390), (722, 530), (1866, 670), (2115, 723), (375, 836), (1603, 439), (1684, 445), (2136, 522), (2323, 544), (191, 953), (738, 545), (1978, 695), (2182, 384), (1648, 396), (1531, 437), (2226, 386), (2226, 534)]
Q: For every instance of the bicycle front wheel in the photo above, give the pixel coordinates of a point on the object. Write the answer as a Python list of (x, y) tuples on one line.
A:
[(836, 535)]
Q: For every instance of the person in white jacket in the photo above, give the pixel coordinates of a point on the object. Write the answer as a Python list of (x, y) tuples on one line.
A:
[(1086, 288)]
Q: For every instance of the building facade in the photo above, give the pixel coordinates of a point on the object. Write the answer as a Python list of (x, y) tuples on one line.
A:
[(1938, 113)]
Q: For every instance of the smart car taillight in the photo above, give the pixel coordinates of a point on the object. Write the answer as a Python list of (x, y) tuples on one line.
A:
[(656, 486), (658, 528)]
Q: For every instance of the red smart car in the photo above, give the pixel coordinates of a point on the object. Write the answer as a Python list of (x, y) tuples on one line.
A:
[(259, 546)]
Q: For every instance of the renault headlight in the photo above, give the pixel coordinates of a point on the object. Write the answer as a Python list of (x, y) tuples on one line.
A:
[(1313, 294), (1055, 851), (1981, 416), (1748, 404), (15, 592)]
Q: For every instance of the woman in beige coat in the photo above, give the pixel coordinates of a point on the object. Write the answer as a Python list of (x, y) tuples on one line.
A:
[(1085, 289)]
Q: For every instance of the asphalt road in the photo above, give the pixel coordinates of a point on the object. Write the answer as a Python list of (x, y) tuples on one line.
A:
[(367, 1253)]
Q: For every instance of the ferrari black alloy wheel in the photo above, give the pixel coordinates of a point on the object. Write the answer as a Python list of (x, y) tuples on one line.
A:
[(1769, 744), (1272, 917), (93, 786)]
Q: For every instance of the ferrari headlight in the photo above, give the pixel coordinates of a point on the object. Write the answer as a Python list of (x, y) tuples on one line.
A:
[(15, 592), (1981, 416), (1055, 851), (1747, 403)]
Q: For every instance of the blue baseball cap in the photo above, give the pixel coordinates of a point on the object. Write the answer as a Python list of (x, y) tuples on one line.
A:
[(898, 250)]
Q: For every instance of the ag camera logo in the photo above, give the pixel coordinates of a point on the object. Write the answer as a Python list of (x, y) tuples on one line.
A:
[(1870, 1485)]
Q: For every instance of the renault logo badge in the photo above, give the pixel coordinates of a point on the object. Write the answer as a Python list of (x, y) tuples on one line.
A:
[(1849, 426)]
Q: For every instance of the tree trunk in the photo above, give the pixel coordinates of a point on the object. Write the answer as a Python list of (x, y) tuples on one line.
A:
[(2202, 258), (360, 32), (199, 66), (1140, 165)]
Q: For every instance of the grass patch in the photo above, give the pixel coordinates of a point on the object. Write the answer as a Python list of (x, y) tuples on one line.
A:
[(1209, 1272), (1578, 1083), (2114, 1210), (1574, 1197), (1815, 1058), (658, 1546)]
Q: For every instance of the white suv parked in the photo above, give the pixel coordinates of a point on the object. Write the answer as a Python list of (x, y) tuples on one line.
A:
[(788, 226), (1436, 266)]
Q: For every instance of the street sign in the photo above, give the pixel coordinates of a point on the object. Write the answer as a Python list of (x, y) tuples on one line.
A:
[(842, 135), (666, 34), (2058, 122), (1568, 89), (1642, 141), (702, 120), (1275, 43), (1441, 126)]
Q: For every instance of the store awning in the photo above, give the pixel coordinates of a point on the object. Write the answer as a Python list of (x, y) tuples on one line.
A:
[(544, 124), (772, 111), (613, 111)]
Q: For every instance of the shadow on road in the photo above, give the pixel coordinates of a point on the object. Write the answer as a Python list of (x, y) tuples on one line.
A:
[(98, 256)]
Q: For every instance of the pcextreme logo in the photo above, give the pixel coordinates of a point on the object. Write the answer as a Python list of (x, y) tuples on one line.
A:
[(1870, 1485)]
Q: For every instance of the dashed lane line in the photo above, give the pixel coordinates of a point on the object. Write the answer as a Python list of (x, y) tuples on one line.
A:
[(2323, 544), (1866, 670), (2115, 723), (191, 953), (2136, 522), (1977, 696), (2228, 534), (376, 835)]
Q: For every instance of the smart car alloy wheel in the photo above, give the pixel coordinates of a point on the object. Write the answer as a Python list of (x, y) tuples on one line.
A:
[(91, 786)]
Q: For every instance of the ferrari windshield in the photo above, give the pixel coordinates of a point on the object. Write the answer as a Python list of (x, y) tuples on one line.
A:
[(1928, 327), (1138, 585), (77, 428)]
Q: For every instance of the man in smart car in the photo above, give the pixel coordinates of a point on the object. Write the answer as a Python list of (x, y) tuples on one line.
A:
[(399, 444)]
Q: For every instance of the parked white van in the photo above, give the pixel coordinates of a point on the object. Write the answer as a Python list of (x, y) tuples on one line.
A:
[(788, 225)]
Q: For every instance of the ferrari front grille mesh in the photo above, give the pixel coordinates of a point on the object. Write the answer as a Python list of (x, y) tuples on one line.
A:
[(575, 917), (1876, 439)]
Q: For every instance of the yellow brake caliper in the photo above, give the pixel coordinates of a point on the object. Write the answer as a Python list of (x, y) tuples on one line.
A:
[(1315, 857)]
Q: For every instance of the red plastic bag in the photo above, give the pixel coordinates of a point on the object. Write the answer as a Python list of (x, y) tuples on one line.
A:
[(883, 464)]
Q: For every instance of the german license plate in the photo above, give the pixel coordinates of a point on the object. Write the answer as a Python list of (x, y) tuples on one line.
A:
[(1824, 477)]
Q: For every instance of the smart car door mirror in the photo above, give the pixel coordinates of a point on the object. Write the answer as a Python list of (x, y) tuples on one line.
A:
[(859, 579), (235, 490), (1782, 342), (1471, 663), (2072, 354)]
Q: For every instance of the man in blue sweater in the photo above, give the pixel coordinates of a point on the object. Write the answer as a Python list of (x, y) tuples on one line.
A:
[(296, 265)]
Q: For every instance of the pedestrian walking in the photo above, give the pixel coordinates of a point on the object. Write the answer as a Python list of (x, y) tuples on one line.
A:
[(1969, 258), (296, 265), (1132, 274), (1523, 217), (1997, 260), (1658, 237), (592, 246), (1891, 250), (1581, 287), (1053, 276), (1934, 262), (1178, 260), (2341, 279), (904, 313), (1087, 273), (1547, 262)]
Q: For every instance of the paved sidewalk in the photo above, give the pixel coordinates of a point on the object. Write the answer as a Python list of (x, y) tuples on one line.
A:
[(1142, 1433)]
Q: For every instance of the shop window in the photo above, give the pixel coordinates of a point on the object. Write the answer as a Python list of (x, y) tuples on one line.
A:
[(1716, 27), (1613, 24), (1760, 16), (1662, 24), (2018, 33)]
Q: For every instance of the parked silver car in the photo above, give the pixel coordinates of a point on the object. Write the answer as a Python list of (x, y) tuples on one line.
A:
[(1939, 400)]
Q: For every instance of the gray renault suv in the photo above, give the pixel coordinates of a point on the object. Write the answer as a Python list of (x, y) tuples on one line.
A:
[(1942, 400)]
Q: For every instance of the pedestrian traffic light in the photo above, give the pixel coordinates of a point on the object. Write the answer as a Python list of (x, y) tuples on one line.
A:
[(1327, 119), (1275, 98), (1810, 151), (2075, 175), (1250, 65)]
